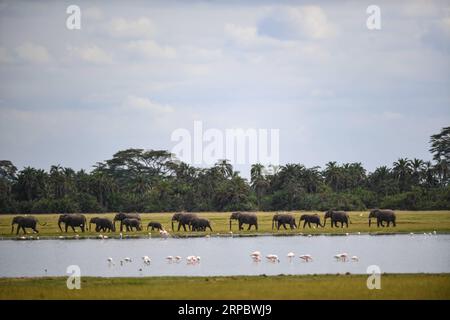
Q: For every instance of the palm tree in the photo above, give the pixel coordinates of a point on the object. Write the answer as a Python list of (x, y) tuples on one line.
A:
[(333, 176), (225, 168), (417, 167), (258, 182), (402, 170)]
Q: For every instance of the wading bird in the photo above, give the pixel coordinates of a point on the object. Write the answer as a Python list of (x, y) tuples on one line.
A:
[(341, 257), (272, 258), (306, 257)]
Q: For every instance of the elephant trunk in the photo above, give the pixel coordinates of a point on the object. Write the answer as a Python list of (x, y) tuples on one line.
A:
[(12, 227), (370, 221), (59, 225), (172, 224), (273, 220), (230, 224)]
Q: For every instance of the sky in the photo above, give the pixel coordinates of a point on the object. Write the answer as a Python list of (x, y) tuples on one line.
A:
[(137, 71)]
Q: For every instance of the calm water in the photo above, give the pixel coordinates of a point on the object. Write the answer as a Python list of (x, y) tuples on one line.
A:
[(226, 256)]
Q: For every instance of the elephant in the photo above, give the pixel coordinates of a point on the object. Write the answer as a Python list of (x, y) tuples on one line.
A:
[(310, 218), (102, 224), (245, 218), (25, 222), (282, 219), (155, 225), (184, 219), (72, 220), (382, 215), (121, 216), (337, 216), (200, 224), (131, 223)]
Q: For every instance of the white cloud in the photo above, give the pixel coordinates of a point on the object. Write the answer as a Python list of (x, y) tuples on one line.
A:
[(140, 28), (247, 36), (305, 22), (91, 54), (151, 49), (33, 53), (143, 104)]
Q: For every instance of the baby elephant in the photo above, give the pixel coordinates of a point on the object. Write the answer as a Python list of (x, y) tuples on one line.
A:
[(200, 224), (155, 225), (308, 219), (131, 223)]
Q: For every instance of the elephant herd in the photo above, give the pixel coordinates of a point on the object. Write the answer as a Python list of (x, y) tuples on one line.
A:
[(192, 222)]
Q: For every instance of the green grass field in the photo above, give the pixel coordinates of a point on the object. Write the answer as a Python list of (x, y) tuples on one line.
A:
[(407, 221), (393, 286)]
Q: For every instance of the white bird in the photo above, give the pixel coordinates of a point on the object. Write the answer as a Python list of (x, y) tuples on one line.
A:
[(121, 235), (434, 232), (110, 259), (127, 259), (290, 255), (177, 258), (347, 234), (146, 259), (341, 256), (192, 259), (163, 233), (105, 237), (169, 258), (273, 258), (255, 254), (256, 258), (100, 236), (306, 257), (355, 258)]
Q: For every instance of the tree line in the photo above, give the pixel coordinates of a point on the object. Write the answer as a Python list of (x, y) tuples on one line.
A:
[(137, 180)]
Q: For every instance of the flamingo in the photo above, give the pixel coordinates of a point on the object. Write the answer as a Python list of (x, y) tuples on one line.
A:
[(255, 254), (290, 255), (256, 258), (177, 258), (169, 258), (110, 261), (273, 258), (341, 257), (355, 258), (306, 257)]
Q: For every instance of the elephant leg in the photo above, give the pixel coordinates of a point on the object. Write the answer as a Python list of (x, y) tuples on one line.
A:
[(18, 229), (73, 228), (304, 224), (309, 224), (35, 230), (249, 226), (393, 223), (256, 226), (184, 227), (284, 226), (240, 225)]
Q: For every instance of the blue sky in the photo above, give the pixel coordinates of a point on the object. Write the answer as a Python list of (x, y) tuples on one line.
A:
[(136, 71)]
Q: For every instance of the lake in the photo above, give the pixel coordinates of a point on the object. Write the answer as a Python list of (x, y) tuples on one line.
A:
[(226, 255)]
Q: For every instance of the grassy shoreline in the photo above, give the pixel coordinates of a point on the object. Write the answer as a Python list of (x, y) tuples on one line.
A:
[(407, 222), (393, 286)]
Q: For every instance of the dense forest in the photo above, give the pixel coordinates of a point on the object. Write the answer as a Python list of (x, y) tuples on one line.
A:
[(150, 181)]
